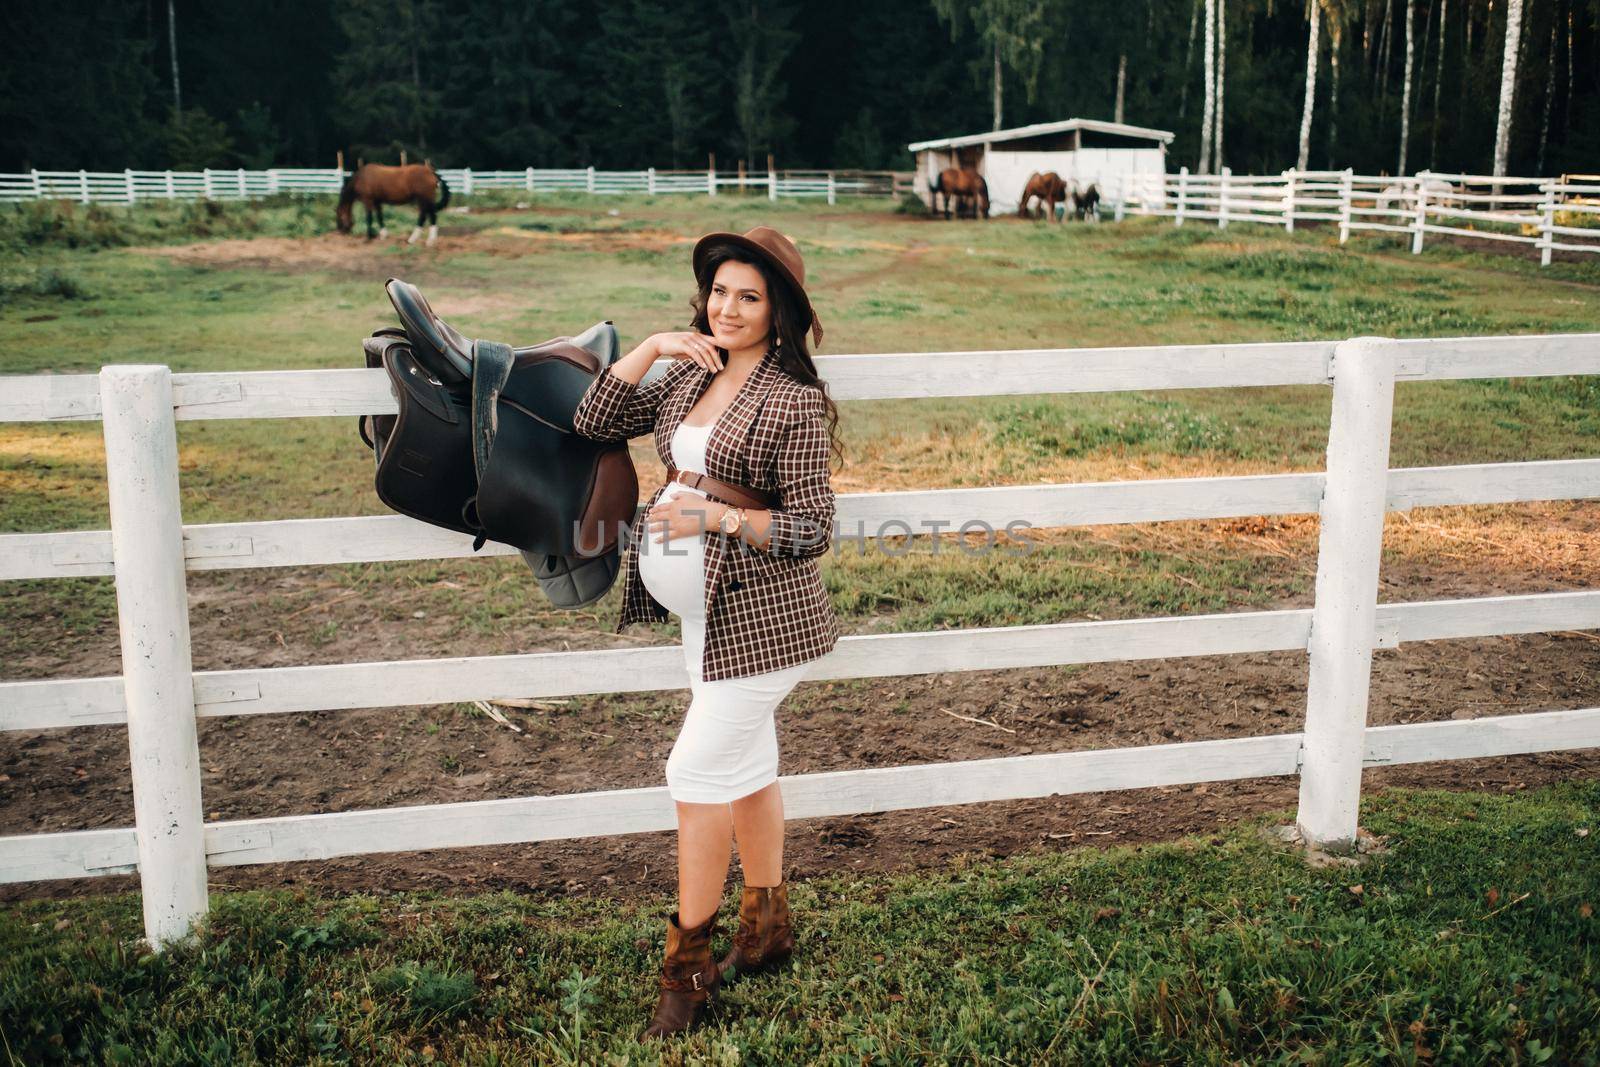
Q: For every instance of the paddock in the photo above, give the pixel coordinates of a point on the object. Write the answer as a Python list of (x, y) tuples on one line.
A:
[(159, 696)]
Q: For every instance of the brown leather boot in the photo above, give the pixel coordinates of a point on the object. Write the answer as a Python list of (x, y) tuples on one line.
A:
[(689, 978), (765, 940)]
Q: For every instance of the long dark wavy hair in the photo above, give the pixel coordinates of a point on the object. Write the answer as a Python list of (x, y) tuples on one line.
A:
[(788, 327)]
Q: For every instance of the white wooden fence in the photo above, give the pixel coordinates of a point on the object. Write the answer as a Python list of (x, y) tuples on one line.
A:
[(159, 696), (1550, 214), (133, 186)]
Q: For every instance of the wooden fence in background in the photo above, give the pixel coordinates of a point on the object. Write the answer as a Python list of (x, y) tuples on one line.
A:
[(135, 186), (1550, 214)]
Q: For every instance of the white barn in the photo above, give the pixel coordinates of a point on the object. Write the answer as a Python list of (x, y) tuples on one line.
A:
[(1085, 149)]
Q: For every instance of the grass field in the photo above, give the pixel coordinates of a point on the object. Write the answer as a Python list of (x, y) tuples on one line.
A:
[(1471, 938), (266, 289)]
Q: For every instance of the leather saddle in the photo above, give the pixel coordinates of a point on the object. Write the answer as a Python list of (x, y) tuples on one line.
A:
[(483, 444)]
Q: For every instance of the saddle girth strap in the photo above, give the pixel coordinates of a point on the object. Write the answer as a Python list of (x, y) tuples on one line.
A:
[(739, 496)]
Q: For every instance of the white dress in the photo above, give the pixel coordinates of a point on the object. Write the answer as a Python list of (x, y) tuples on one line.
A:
[(728, 746)]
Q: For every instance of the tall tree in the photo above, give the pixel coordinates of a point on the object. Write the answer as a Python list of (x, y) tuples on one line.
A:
[(1188, 61), (1508, 86), (1339, 16), (1549, 96), (1122, 86), (1012, 29), (1438, 80), (1208, 116), (1222, 77), (383, 99), (763, 39), (1312, 48), (1405, 99), (172, 50)]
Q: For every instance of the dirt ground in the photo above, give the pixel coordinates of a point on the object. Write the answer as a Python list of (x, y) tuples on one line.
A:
[(341, 761)]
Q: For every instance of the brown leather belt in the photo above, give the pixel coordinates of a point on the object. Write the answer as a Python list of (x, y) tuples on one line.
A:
[(739, 496)]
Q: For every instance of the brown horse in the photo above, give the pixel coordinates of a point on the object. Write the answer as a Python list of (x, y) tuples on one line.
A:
[(965, 185), (376, 184), (1050, 191)]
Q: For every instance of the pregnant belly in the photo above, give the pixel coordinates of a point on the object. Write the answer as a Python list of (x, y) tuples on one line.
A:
[(674, 571)]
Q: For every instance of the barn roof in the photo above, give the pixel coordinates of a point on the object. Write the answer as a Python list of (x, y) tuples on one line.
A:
[(1041, 128)]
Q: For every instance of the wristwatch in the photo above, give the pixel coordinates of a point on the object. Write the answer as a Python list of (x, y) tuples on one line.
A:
[(737, 526)]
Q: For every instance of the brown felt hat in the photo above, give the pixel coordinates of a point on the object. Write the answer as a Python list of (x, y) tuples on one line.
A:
[(777, 251)]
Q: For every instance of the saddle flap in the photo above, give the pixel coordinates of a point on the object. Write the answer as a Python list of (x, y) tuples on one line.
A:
[(491, 366)]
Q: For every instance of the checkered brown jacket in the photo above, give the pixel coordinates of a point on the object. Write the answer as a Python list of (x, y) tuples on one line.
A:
[(766, 609)]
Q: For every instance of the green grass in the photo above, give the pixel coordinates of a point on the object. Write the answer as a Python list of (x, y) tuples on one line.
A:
[(80, 288), (883, 282), (1473, 939)]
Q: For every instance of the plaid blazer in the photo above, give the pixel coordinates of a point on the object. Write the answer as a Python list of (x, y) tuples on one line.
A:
[(766, 609)]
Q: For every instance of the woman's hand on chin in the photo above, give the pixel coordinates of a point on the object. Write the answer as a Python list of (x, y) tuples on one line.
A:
[(689, 345)]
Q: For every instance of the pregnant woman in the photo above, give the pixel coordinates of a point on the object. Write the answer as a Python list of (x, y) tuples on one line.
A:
[(730, 545)]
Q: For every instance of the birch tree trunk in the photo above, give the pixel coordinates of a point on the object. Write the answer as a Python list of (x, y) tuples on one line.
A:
[(997, 85), (1304, 159), (1405, 96), (1211, 87), (1222, 78), (1508, 86), (1122, 82)]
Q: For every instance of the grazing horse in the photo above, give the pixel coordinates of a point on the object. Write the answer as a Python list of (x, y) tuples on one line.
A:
[(377, 184), (1085, 201), (1048, 188), (965, 185)]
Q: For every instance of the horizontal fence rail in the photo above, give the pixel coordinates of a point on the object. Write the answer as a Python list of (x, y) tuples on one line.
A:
[(135, 186), (1552, 215), (149, 551)]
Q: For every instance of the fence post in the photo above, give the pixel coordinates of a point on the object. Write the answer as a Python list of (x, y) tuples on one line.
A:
[(711, 180), (1346, 191), (1122, 197), (127, 180), (274, 186), (466, 181), (1547, 221), (591, 179), (1343, 619), (832, 189), (153, 619), (650, 181), (527, 180), (1183, 191), (1422, 213), (205, 180), (83, 185), (772, 181), (1222, 197), (1288, 200)]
